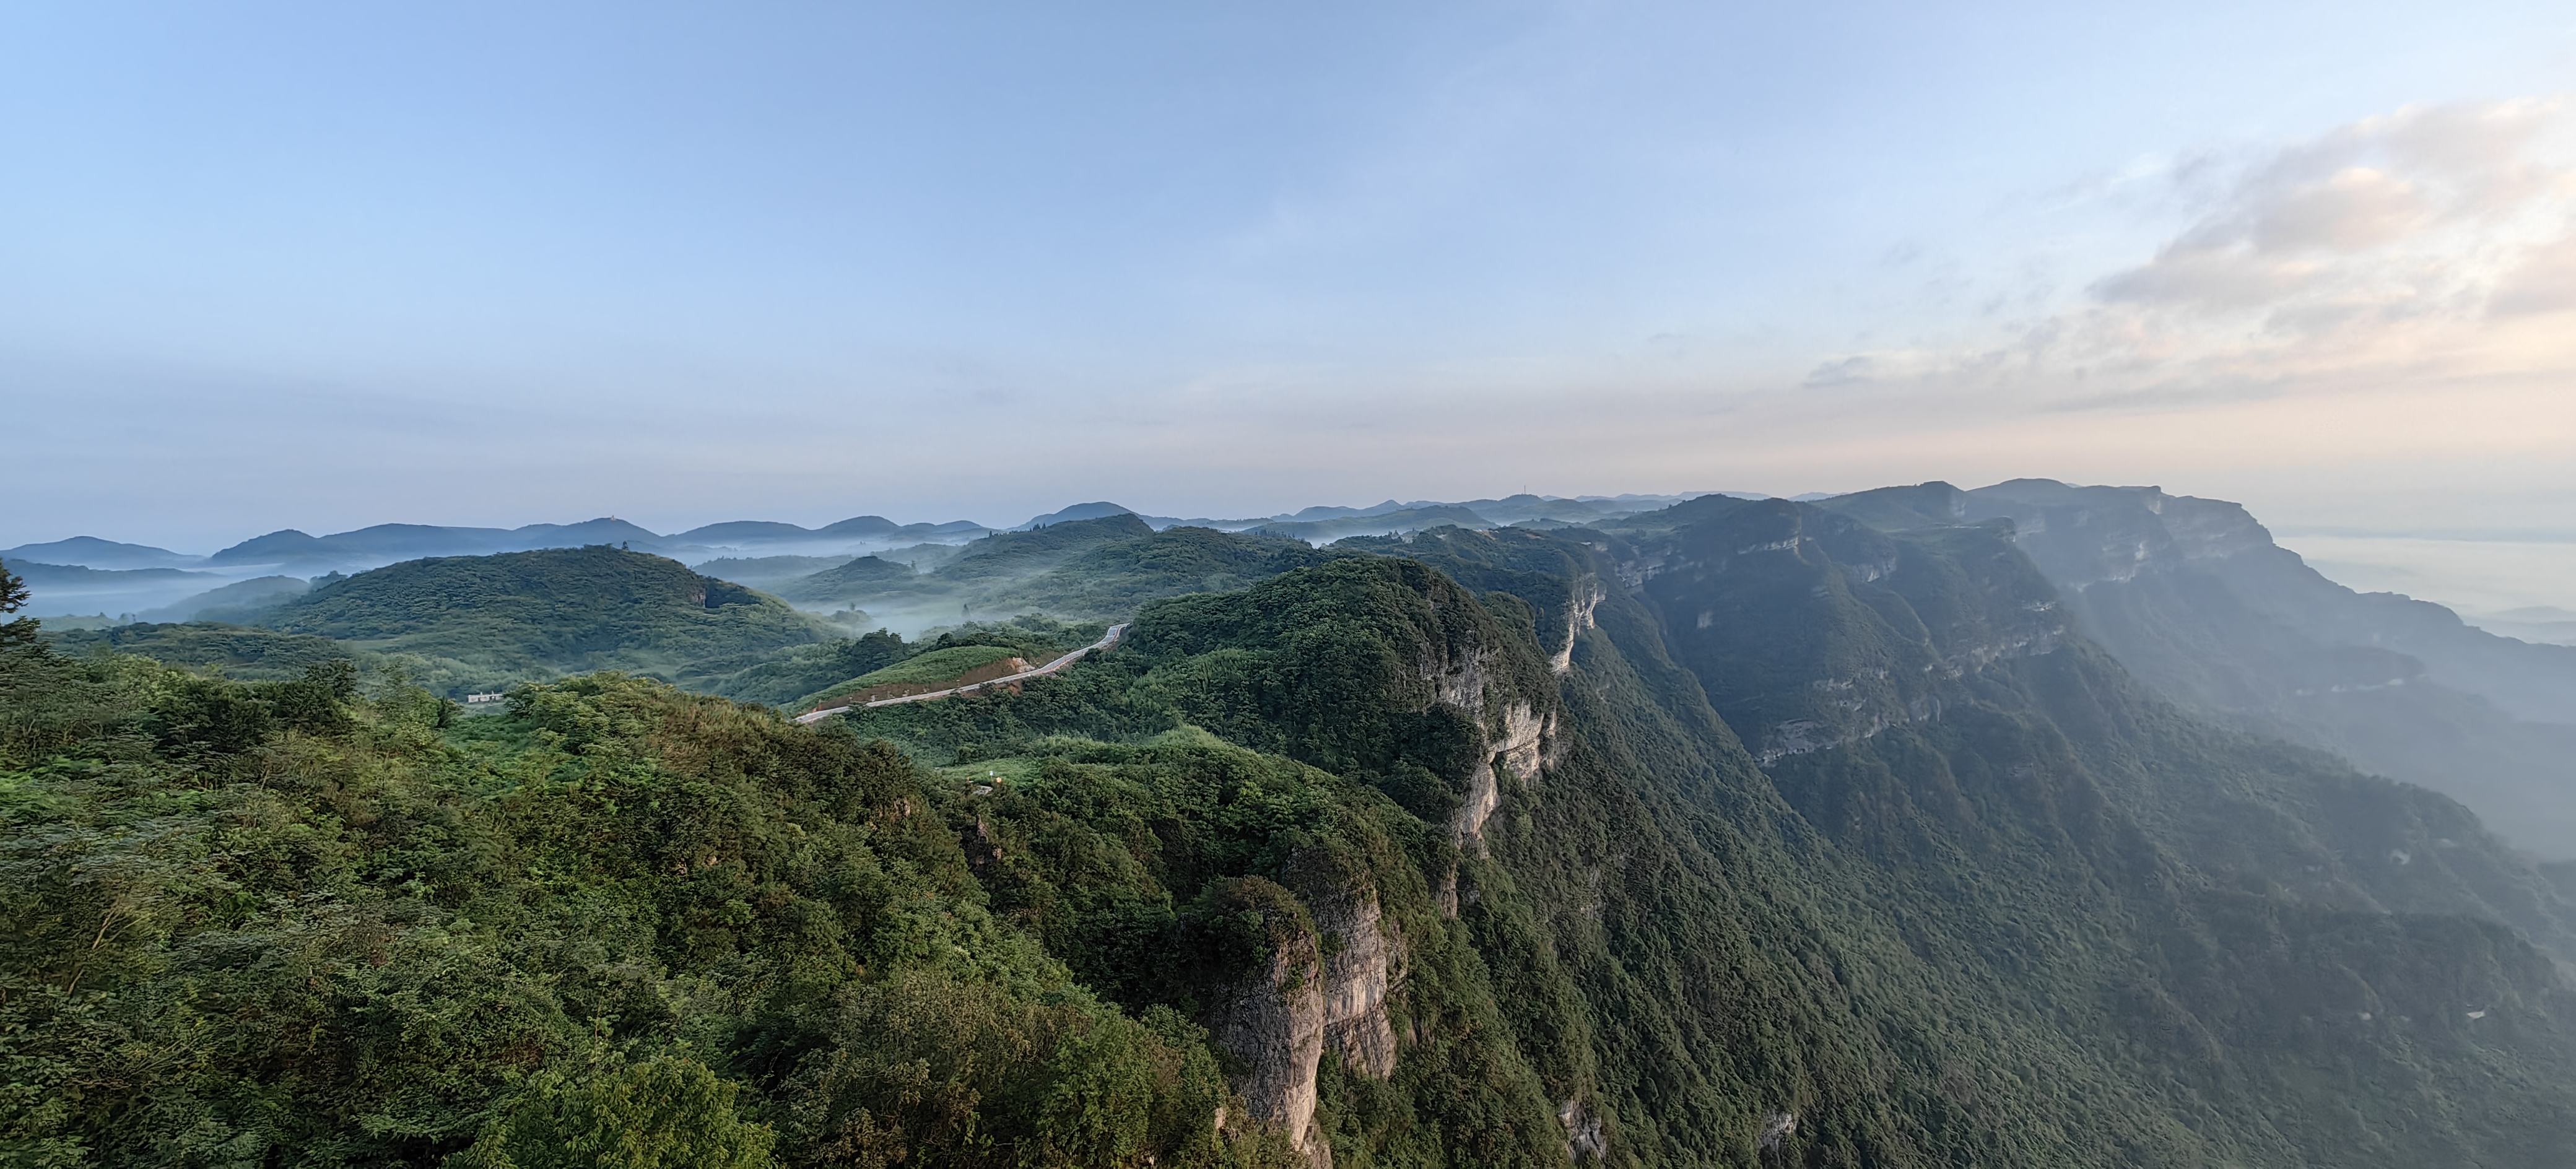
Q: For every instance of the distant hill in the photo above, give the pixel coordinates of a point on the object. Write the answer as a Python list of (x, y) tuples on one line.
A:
[(1412, 519), (1115, 579), (1084, 569), (238, 602), (384, 543), (1526, 508), (1079, 511), (2533, 623), (758, 534), (478, 621), (243, 652), (1015, 553), (862, 577), (742, 532), (763, 571), (43, 576), (92, 552), (71, 588)]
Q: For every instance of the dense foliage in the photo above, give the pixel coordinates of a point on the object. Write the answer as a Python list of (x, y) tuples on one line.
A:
[(290, 923), (239, 651), (481, 622), (1819, 845)]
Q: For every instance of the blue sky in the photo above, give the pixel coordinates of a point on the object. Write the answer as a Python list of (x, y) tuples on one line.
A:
[(268, 265)]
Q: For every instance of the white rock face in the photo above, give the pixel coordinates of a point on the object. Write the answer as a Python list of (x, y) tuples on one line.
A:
[(1275, 1024), (1357, 979), (1515, 750), (1778, 1127), (1585, 1139), (1517, 738), (1578, 617), (1280, 1023), (1524, 734)]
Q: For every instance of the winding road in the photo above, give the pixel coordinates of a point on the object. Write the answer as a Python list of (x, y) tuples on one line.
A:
[(1051, 667)]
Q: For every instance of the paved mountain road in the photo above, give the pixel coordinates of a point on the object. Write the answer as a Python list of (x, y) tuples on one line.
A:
[(1051, 667)]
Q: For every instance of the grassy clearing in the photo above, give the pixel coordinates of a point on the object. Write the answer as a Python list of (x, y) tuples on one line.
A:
[(938, 665)]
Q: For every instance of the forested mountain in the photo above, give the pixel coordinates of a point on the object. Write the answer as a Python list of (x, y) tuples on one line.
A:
[(2194, 597), (486, 621), (249, 653), (1749, 834), (92, 552)]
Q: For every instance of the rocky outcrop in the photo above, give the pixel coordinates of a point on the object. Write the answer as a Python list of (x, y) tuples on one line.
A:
[(1517, 741), (1274, 1023), (1324, 984), (1586, 597), (1777, 1128), (1518, 738), (1586, 1138), (1360, 969)]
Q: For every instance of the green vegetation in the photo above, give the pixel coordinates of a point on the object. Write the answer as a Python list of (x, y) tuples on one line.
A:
[(481, 622), (1908, 977), (1098, 569), (1015, 554), (1111, 581), (238, 651), (763, 571), (236, 603), (1407, 520), (16, 632), (863, 577), (665, 1113), (781, 678), (617, 926), (1818, 846), (935, 666)]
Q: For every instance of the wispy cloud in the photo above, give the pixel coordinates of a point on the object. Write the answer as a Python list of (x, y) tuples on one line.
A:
[(2431, 243)]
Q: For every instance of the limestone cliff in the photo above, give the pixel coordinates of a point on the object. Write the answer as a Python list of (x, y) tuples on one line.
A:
[(1362, 966), (1273, 1018), (1519, 728)]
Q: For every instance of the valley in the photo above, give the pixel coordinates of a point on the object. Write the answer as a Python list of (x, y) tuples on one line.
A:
[(2015, 826)]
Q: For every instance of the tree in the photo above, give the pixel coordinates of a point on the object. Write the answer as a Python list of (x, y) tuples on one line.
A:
[(670, 1112), (13, 597)]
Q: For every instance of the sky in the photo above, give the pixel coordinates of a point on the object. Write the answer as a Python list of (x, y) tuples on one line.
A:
[(268, 265)]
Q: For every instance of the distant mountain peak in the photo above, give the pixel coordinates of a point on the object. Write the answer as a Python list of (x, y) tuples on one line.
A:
[(1100, 509)]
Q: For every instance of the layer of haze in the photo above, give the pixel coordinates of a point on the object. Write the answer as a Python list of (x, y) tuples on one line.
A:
[(267, 265)]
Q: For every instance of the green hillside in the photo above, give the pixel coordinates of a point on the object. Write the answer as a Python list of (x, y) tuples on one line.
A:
[(1747, 836), (2053, 924), (481, 622), (1115, 579), (240, 651), (939, 665), (763, 571), (1010, 554), (862, 577)]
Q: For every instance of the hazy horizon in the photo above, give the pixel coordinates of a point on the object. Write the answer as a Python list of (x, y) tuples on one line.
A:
[(2512, 586), (283, 265), (446, 796)]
